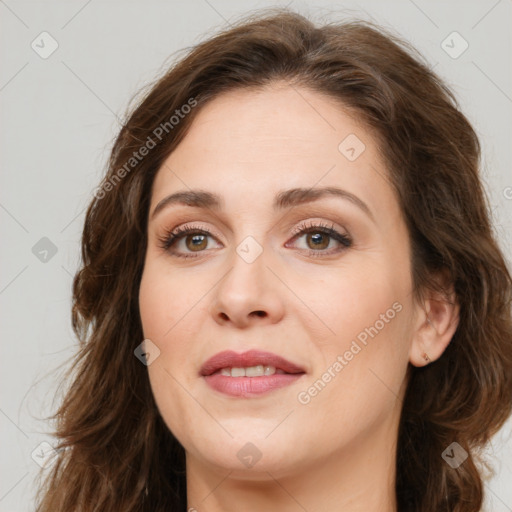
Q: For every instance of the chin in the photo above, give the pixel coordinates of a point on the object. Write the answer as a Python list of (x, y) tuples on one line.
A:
[(249, 456)]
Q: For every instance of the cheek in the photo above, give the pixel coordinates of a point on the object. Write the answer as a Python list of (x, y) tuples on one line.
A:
[(163, 309), (163, 300), (368, 313), (171, 308), (351, 300)]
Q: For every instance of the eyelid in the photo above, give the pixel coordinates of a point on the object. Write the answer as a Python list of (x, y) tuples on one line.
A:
[(169, 236), (317, 224), (341, 236)]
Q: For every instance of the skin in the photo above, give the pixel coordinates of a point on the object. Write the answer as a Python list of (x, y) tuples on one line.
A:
[(336, 452)]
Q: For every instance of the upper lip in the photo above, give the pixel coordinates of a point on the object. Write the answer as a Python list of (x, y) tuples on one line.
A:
[(230, 359)]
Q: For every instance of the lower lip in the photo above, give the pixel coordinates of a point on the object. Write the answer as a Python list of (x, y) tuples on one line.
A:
[(250, 386)]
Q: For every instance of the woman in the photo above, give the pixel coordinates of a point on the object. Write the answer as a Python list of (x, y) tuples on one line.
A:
[(291, 297)]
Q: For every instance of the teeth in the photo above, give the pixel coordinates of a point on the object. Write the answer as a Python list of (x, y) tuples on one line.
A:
[(251, 371)]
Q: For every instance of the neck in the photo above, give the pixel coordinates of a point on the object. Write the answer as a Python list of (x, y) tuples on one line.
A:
[(357, 478)]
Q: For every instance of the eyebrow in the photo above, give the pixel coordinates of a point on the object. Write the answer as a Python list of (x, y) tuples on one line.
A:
[(284, 199)]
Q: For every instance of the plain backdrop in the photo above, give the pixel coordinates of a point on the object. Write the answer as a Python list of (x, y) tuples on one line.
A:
[(68, 71)]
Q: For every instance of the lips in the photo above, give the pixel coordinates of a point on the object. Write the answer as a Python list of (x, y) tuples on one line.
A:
[(230, 359)]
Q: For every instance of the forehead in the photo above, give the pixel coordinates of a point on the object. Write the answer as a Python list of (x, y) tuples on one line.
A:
[(279, 118), (281, 136)]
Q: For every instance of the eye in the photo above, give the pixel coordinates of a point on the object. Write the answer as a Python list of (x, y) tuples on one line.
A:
[(319, 239), (185, 240)]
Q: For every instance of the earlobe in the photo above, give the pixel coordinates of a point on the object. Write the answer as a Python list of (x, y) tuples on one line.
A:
[(426, 357), (438, 319)]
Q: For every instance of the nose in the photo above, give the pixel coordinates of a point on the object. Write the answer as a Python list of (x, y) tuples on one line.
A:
[(248, 294)]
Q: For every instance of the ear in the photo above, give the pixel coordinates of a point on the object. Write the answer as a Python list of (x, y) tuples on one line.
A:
[(437, 319)]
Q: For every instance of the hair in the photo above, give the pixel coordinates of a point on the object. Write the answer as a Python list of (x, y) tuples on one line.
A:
[(114, 451)]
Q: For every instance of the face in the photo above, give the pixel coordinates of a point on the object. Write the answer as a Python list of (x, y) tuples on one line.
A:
[(319, 278)]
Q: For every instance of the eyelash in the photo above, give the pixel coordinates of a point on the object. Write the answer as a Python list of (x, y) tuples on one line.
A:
[(171, 237)]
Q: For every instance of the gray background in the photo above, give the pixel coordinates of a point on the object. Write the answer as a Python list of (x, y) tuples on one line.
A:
[(60, 114)]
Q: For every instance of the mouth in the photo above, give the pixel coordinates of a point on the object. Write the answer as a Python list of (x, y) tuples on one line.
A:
[(248, 374), (253, 363)]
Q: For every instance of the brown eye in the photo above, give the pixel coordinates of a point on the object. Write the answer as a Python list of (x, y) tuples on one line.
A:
[(187, 242), (321, 240), (196, 242), (317, 240)]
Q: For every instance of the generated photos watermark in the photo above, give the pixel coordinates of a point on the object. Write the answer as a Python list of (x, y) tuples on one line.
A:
[(157, 135), (304, 397)]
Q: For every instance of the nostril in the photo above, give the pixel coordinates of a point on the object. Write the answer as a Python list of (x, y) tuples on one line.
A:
[(259, 313)]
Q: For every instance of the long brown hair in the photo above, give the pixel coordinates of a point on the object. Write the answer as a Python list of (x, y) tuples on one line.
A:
[(114, 451)]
